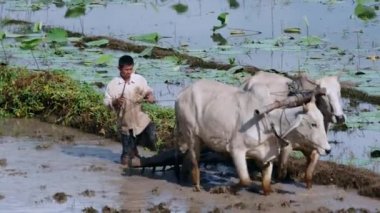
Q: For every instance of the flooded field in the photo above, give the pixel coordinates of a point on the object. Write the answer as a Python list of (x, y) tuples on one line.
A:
[(317, 37)]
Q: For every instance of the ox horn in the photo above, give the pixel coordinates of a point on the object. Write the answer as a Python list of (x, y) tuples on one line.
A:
[(305, 108)]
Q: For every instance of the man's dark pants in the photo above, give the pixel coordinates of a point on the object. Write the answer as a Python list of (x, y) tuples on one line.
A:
[(147, 138)]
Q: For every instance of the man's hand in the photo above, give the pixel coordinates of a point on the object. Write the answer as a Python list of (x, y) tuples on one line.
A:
[(117, 103), (150, 98)]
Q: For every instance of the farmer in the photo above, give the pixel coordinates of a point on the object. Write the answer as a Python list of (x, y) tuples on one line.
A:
[(124, 95)]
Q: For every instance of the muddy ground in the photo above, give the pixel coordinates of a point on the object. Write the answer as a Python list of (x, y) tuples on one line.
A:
[(49, 168)]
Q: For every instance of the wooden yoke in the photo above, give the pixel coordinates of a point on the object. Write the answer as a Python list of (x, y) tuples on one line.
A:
[(292, 101)]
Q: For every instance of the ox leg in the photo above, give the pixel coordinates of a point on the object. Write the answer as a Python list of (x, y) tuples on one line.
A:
[(194, 155), (312, 160), (267, 176), (195, 173), (241, 167), (283, 164)]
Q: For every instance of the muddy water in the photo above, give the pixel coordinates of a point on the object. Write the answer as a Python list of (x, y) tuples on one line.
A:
[(47, 168), (354, 148)]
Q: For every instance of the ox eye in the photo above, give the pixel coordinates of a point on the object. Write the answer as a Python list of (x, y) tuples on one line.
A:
[(314, 125)]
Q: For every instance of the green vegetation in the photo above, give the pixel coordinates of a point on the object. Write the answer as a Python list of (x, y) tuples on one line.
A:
[(180, 8), (355, 94), (150, 37), (364, 12), (223, 18), (55, 97)]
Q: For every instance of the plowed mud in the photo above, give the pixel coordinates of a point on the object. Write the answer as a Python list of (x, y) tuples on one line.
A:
[(83, 175)]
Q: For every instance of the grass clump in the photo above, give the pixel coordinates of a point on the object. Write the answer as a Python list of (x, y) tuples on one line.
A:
[(355, 94), (55, 97), (164, 118)]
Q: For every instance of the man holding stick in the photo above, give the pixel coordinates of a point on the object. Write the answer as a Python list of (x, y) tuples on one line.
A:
[(124, 94)]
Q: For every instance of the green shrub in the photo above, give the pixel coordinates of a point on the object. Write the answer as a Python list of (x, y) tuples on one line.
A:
[(55, 97)]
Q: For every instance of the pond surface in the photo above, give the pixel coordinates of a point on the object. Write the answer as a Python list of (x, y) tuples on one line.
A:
[(253, 35)]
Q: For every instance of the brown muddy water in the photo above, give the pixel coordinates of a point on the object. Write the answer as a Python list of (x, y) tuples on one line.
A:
[(49, 168)]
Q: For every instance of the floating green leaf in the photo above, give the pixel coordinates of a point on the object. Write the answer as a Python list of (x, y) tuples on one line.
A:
[(219, 39), (76, 11), (215, 28), (37, 27), (58, 35), (223, 18), (147, 52), (235, 69), (310, 41), (30, 44), (233, 4), (173, 58), (97, 43), (293, 30), (2, 35), (37, 6), (180, 8), (103, 59), (150, 37), (59, 3), (365, 12)]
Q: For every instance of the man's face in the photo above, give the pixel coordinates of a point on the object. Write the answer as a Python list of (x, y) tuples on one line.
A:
[(126, 71)]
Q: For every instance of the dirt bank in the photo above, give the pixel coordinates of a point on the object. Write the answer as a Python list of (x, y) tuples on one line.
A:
[(48, 168)]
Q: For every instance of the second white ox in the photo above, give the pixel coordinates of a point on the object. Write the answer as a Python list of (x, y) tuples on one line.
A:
[(279, 87), (226, 119)]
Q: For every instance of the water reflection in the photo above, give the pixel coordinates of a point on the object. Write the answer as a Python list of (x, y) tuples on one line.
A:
[(354, 148)]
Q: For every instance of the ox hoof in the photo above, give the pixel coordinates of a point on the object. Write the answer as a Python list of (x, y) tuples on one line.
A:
[(309, 184), (220, 189), (197, 189), (267, 191)]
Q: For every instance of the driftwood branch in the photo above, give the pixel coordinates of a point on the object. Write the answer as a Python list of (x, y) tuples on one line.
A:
[(292, 101)]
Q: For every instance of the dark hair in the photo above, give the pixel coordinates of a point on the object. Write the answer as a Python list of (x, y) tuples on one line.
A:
[(125, 60)]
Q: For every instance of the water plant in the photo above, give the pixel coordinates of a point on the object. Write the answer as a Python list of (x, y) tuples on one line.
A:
[(364, 12), (31, 44), (76, 9), (180, 8), (149, 37), (2, 37), (223, 18), (233, 4)]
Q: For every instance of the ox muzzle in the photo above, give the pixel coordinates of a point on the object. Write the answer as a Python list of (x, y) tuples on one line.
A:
[(340, 119)]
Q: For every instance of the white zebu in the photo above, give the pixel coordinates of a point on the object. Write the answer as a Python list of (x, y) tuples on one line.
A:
[(225, 119), (279, 88)]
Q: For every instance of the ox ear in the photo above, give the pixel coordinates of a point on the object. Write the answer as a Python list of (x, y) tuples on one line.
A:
[(305, 108)]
